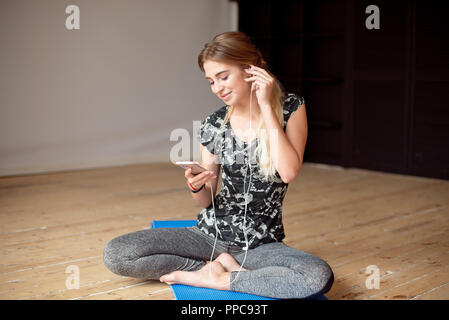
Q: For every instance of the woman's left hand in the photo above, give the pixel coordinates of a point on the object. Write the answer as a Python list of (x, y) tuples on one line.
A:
[(263, 84)]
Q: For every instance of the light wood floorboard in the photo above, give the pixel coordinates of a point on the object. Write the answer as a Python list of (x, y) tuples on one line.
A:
[(351, 218)]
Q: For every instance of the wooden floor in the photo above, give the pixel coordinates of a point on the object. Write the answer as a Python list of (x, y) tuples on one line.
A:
[(351, 218)]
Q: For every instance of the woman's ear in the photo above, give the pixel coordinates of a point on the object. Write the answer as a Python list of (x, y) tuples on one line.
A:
[(244, 68)]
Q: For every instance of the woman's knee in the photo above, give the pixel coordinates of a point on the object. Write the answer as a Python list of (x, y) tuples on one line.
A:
[(114, 256), (314, 276), (322, 278), (325, 278), (110, 256), (123, 257)]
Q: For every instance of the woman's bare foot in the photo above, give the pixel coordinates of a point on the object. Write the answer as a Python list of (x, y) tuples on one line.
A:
[(212, 275)]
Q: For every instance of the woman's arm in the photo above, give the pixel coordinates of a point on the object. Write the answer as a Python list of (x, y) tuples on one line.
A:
[(208, 161), (286, 148)]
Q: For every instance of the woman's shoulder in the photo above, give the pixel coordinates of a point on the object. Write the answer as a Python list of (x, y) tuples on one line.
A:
[(216, 118), (209, 129), (292, 100)]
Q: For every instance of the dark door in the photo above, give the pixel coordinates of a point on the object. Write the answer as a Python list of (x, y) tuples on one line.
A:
[(375, 98)]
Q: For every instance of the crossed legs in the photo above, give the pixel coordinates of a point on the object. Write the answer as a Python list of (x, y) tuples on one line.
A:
[(181, 256)]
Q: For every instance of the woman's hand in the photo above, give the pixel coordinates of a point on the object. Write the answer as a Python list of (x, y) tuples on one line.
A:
[(197, 180), (263, 84)]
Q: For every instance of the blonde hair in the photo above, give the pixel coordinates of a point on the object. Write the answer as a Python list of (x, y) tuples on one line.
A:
[(237, 47)]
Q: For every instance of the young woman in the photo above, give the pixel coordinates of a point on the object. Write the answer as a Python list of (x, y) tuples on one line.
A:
[(242, 234)]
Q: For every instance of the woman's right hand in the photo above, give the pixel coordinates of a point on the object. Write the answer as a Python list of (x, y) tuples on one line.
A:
[(197, 180)]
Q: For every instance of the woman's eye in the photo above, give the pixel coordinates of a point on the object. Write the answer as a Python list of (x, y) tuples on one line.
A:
[(222, 79)]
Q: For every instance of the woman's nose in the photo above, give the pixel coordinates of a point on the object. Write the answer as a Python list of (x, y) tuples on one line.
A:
[(217, 88)]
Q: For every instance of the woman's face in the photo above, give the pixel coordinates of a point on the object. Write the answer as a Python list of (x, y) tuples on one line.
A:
[(226, 81)]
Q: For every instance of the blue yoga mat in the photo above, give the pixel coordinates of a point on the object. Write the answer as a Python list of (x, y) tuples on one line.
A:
[(183, 292)]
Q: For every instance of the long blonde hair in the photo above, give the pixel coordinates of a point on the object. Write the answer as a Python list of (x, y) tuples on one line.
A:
[(237, 47)]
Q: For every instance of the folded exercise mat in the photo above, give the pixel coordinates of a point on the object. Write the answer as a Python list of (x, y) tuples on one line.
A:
[(183, 292), (172, 223)]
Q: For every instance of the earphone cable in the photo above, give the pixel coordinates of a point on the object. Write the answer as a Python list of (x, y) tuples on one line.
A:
[(246, 248)]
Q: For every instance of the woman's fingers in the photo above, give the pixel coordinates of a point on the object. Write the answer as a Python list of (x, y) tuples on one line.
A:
[(256, 78), (198, 180), (204, 177), (258, 81), (188, 173), (262, 73)]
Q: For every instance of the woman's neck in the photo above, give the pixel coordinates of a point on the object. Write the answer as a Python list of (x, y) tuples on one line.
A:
[(242, 108)]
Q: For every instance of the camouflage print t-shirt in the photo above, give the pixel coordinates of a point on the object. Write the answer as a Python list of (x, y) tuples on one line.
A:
[(264, 207)]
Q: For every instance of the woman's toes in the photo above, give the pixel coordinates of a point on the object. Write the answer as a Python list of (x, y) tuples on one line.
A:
[(168, 278)]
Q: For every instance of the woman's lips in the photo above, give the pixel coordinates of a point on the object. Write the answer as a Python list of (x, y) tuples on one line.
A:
[(226, 96)]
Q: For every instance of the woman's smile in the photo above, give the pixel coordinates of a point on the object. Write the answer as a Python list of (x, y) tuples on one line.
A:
[(226, 96)]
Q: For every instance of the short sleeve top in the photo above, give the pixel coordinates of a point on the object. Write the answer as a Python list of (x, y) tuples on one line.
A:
[(263, 220)]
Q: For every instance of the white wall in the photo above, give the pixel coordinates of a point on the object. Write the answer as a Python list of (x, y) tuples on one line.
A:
[(108, 94)]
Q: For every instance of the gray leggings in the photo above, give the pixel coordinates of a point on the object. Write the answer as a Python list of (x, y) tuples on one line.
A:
[(275, 270)]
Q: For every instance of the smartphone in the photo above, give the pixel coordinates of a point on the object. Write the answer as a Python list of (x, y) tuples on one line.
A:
[(195, 165)]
